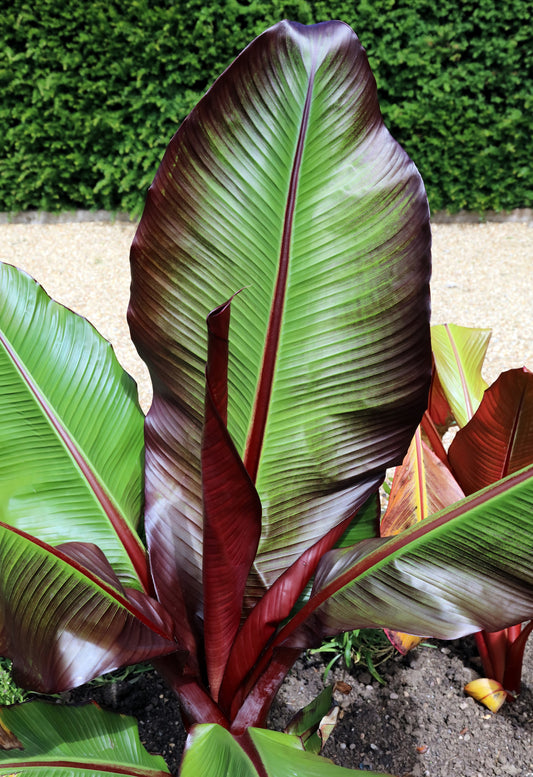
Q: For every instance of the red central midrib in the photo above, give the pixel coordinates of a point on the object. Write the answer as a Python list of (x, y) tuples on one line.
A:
[(256, 432), (81, 764)]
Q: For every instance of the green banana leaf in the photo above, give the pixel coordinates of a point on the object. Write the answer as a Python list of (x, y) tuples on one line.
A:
[(461, 570), (284, 756), (66, 618), (212, 751), (71, 430), (70, 470), (284, 184), (88, 740), (75, 740), (459, 352)]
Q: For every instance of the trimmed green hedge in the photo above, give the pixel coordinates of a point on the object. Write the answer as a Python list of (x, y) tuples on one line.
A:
[(92, 92)]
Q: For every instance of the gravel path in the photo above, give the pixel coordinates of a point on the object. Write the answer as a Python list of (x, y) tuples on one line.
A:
[(482, 276)]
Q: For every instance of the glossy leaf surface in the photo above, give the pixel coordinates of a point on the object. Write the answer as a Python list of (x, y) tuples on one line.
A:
[(459, 352), (283, 756), (285, 183), (232, 512), (499, 438), (70, 430), (213, 752), (66, 617), (77, 741), (464, 569)]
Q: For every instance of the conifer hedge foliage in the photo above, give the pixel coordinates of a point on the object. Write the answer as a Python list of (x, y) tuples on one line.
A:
[(93, 91)]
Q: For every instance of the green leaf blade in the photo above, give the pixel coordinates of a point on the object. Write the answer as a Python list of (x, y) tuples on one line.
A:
[(85, 740), (284, 183), (72, 429), (66, 617), (212, 752), (459, 352), (284, 756), (466, 568)]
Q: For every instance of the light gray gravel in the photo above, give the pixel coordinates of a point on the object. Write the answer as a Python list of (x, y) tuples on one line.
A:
[(482, 276)]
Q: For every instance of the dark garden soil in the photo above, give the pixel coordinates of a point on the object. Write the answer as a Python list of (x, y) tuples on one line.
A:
[(418, 723)]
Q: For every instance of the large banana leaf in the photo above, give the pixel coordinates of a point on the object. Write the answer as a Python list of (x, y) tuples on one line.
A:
[(466, 568), (283, 756), (77, 741), (70, 430), (70, 470), (211, 751), (88, 740), (284, 183), (65, 617)]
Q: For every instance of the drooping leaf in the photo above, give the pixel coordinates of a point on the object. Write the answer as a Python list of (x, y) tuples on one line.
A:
[(498, 440), (70, 430), (77, 741), (65, 618), (285, 183), (421, 486), (464, 569), (459, 352)]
